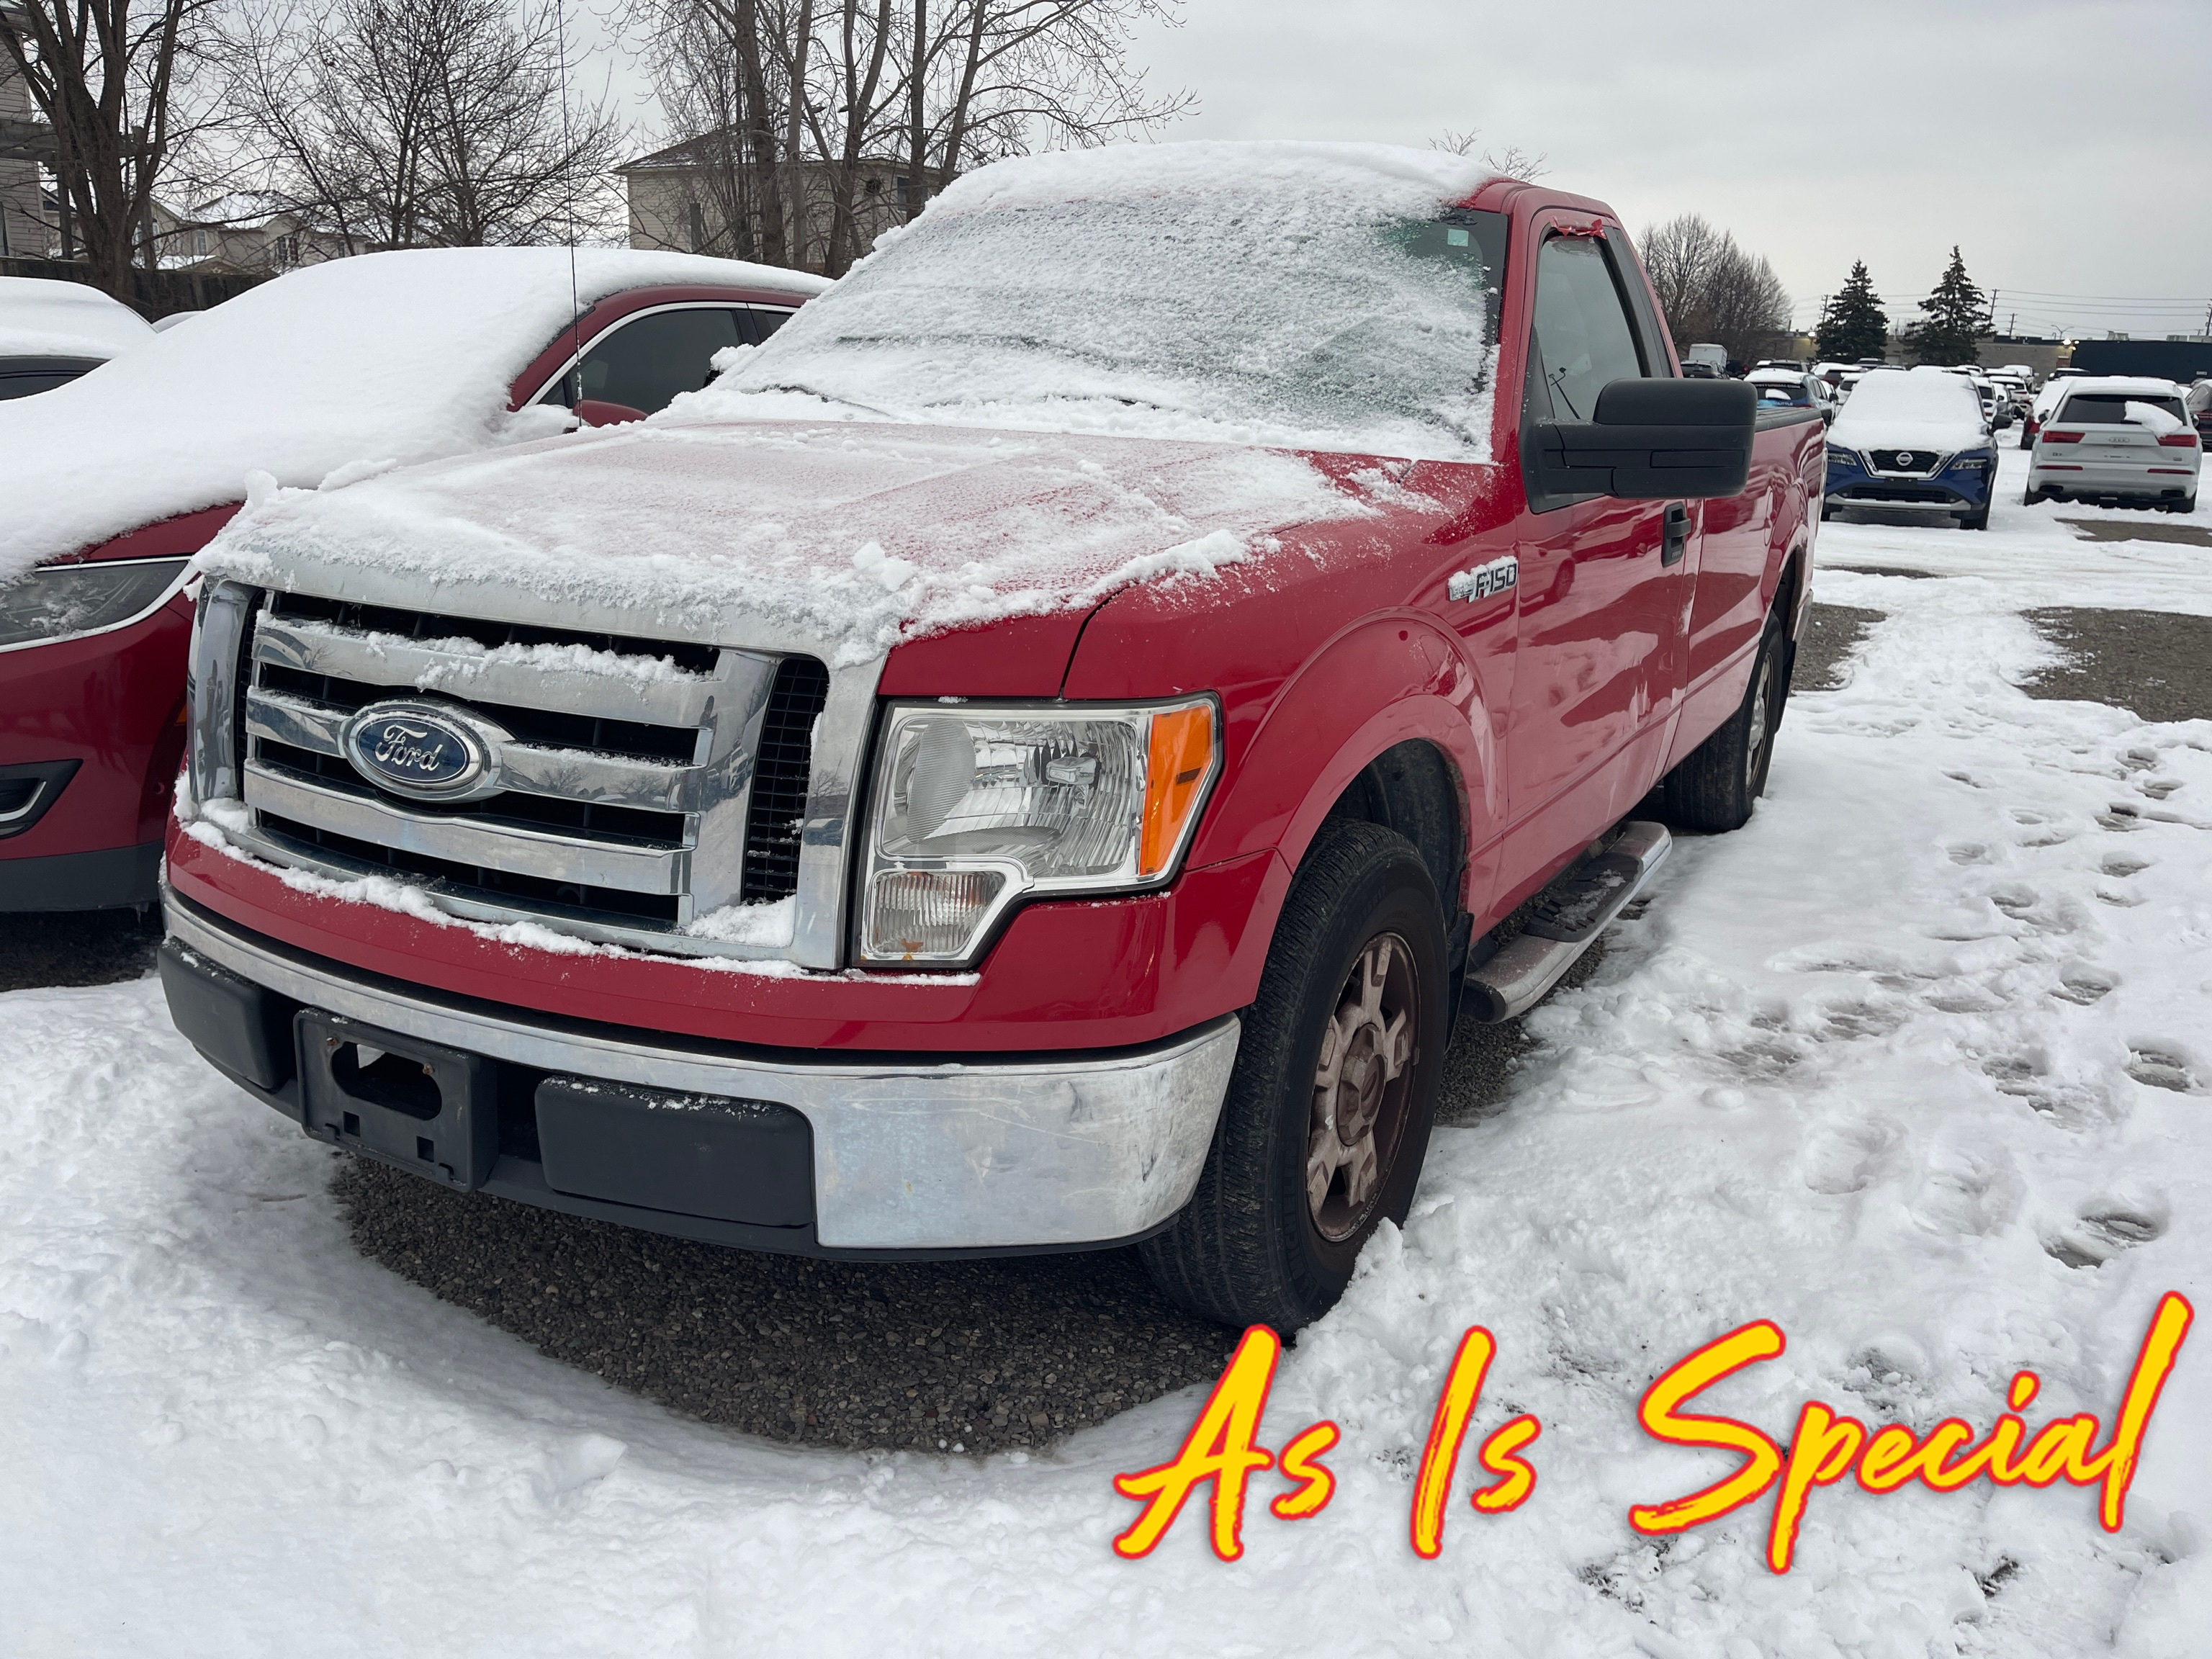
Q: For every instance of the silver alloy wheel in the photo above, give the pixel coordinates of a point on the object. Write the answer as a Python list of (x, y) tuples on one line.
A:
[(1754, 740), (1361, 1083)]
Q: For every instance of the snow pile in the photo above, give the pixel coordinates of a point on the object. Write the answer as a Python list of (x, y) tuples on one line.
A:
[(42, 318), (858, 535), (1914, 1065), (1913, 408), (2162, 421), (1259, 293), (381, 360)]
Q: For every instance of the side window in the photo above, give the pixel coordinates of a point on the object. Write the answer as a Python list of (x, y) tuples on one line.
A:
[(1584, 342), (764, 320), (645, 363)]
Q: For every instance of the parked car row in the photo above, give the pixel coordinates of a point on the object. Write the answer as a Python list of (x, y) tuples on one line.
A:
[(119, 475)]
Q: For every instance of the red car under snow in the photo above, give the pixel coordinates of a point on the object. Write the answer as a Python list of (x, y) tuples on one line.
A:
[(117, 478)]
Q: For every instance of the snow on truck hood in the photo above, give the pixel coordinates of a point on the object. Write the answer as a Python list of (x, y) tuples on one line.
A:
[(381, 359), (847, 536), (1911, 409)]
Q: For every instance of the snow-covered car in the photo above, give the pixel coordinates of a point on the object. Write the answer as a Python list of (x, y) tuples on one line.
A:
[(329, 374), (52, 331), (2120, 438), (1913, 439), (1793, 388)]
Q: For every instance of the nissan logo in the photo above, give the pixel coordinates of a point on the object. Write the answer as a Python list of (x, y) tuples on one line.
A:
[(423, 750)]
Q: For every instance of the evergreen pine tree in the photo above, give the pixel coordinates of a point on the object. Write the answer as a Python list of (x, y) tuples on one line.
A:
[(1953, 320), (1853, 325)]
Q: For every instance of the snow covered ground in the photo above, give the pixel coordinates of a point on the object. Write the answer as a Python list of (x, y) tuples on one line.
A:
[(1878, 1067)]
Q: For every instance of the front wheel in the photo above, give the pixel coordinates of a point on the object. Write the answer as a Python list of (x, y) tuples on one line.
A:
[(1719, 782), (1977, 520), (1326, 1120)]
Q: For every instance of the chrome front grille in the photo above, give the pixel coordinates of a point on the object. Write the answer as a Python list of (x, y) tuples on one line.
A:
[(645, 784)]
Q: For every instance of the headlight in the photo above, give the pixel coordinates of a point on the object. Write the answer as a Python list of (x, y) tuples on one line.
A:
[(1975, 460), (975, 807), (1844, 457), (60, 600)]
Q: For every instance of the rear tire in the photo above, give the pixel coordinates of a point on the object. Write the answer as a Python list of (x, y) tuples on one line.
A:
[(2032, 497), (1309, 1157), (1717, 785), (2186, 504)]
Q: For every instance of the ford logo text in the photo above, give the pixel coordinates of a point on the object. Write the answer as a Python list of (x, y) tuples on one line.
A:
[(421, 750)]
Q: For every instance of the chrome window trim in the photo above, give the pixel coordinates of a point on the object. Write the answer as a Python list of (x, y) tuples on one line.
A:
[(176, 585)]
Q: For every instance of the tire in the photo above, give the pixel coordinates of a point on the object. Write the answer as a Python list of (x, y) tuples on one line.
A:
[(1252, 1247), (1719, 782), (1977, 520), (2186, 504), (2031, 498), (1827, 511)]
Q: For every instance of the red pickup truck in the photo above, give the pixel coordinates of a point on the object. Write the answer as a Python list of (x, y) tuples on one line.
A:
[(1036, 758)]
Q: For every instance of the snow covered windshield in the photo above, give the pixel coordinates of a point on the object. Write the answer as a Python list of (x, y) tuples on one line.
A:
[(1912, 407), (1317, 296)]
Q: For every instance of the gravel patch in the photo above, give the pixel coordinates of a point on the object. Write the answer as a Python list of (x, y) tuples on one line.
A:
[(2154, 663), (1830, 633), (76, 947), (972, 1357), (2127, 530)]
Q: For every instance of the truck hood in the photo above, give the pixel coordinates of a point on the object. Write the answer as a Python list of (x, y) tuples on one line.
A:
[(842, 537)]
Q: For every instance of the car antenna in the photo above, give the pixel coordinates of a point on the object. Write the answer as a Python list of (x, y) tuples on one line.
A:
[(568, 148)]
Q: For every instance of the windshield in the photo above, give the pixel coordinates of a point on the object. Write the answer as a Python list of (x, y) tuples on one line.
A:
[(1182, 313)]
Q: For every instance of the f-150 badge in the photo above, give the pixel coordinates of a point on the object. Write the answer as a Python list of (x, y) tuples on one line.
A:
[(1485, 579)]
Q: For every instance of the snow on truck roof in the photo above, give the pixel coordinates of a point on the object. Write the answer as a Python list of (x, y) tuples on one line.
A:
[(1072, 372), (1911, 408), (41, 317), (376, 361)]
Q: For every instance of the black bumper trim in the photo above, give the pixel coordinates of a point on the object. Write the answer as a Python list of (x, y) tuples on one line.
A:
[(113, 879)]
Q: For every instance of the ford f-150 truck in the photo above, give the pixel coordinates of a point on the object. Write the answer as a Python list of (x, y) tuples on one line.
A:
[(1037, 757)]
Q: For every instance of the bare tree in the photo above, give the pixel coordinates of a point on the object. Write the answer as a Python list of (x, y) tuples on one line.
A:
[(1511, 162), (112, 78), (798, 104), (1712, 290), (423, 123)]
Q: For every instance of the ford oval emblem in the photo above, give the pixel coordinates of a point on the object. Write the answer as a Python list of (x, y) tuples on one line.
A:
[(419, 749)]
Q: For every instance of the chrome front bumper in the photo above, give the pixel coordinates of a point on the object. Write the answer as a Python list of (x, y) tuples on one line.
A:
[(964, 1154)]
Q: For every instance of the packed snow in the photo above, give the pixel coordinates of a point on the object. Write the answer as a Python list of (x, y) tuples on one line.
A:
[(1914, 1065), (1911, 409), (323, 375), (40, 317), (859, 535), (1256, 293)]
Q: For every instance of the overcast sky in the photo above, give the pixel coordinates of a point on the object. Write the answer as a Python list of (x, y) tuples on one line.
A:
[(2065, 145)]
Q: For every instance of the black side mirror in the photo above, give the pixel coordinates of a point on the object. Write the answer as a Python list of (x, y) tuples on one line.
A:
[(1653, 440)]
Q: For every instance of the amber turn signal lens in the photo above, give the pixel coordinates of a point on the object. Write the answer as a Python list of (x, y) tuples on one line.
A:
[(1175, 775)]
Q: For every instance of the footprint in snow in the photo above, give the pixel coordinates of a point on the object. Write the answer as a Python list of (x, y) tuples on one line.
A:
[(1969, 851), (2159, 788), (2084, 985), (2162, 1069), (2098, 1235), (2121, 865)]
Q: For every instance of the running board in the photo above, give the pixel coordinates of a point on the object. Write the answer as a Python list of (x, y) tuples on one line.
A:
[(1566, 920)]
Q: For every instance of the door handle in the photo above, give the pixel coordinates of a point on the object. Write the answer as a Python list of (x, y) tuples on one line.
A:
[(1675, 539)]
